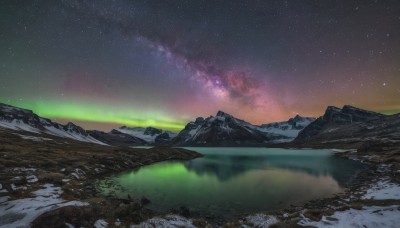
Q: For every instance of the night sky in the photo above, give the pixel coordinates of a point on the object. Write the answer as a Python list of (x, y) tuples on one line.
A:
[(103, 63)]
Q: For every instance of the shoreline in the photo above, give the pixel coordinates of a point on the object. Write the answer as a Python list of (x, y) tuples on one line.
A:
[(380, 170), (74, 176), (47, 174)]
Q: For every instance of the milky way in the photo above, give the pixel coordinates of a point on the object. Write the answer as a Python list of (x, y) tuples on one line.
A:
[(163, 63)]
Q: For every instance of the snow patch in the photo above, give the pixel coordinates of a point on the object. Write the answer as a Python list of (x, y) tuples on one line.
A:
[(261, 220), (32, 179), (193, 131), (100, 224), (69, 225), (373, 216), (18, 125), (21, 212), (344, 150), (4, 199), (23, 169), (72, 135), (33, 138), (168, 221), (383, 190), (78, 174)]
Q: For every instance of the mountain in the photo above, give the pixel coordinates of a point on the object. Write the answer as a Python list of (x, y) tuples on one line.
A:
[(290, 128), (335, 118), (225, 130), (116, 138), (25, 120), (150, 135)]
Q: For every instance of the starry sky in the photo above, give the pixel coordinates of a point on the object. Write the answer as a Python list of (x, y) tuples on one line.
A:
[(161, 63)]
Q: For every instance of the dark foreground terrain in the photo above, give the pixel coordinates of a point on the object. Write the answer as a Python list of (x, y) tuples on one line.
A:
[(49, 182), (30, 161)]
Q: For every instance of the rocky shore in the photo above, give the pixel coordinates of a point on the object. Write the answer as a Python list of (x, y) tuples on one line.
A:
[(372, 193), (48, 181), (51, 184)]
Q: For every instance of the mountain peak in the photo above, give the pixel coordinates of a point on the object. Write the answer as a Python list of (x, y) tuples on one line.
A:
[(333, 108), (335, 117), (5, 108), (223, 114), (355, 109), (297, 117), (26, 120), (152, 131), (70, 124)]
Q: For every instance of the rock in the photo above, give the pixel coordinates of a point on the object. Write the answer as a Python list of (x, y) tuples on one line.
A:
[(144, 201), (184, 211)]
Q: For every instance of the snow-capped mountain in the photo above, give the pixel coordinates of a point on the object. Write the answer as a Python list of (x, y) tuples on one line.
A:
[(290, 128), (25, 120), (150, 134), (223, 130), (335, 118), (116, 138)]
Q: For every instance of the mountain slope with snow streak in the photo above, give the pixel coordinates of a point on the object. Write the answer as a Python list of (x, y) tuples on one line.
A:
[(25, 120)]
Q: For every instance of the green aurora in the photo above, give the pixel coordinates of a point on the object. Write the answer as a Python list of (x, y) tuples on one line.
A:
[(100, 113)]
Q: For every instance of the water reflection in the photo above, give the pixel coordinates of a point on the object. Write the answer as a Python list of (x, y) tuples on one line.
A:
[(226, 166), (231, 181)]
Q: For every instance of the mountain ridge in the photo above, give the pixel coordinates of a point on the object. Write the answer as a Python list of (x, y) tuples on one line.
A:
[(26, 120), (224, 129), (335, 117)]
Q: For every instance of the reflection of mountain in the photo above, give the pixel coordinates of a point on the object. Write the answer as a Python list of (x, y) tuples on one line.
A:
[(225, 167)]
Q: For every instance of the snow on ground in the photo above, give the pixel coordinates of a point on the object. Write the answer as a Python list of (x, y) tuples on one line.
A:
[(261, 220), (100, 224), (69, 225), (383, 190), (373, 216), (344, 150), (33, 138), (21, 212), (32, 179), (23, 169), (78, 174), (168, 221)]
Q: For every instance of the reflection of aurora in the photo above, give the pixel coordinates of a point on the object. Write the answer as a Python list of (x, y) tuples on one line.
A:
[(233, 184)]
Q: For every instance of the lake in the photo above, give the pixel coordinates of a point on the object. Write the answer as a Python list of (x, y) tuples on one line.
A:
[(234, 181)]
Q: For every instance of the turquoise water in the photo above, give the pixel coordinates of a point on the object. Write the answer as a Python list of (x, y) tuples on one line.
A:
[(234, 181)]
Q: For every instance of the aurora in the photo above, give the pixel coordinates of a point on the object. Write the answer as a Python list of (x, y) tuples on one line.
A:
[(101, 114)]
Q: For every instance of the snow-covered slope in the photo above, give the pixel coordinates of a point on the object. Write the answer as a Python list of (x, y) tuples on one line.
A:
[(290, 128), (25, 120), (223, 130), (149, 134)]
